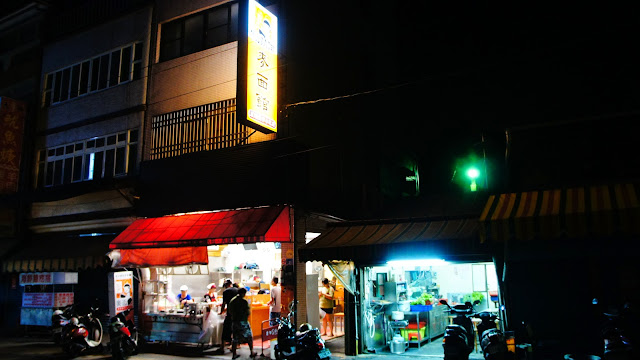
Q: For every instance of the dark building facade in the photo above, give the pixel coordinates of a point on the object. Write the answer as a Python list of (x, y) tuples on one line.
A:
[(382, 106)]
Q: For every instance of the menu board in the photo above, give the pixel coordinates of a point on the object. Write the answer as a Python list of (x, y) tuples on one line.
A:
[(37, 300)]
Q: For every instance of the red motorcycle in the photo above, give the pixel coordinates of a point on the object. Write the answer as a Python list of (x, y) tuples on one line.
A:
[(123, 336)]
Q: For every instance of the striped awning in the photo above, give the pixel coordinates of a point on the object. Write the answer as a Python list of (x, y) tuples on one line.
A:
[(382, 240), (59, 254), (580, 212)]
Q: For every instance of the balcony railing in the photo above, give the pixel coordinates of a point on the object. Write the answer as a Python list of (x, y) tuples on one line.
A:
[(201, 128)]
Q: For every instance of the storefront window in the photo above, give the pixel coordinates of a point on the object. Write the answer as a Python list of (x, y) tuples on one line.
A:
[(251, 266), (412, 291)]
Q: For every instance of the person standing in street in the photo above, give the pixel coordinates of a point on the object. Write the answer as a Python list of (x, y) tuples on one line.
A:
[(229, 293), (275, 303), (239, 309)]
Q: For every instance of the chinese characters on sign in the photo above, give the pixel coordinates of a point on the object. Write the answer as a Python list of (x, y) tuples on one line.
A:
[(12, 115), (61, 299), (262, 67), (37, 300), (36, 278)]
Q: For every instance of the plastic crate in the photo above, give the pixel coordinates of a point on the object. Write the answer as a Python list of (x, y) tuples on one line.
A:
[(421, 307), (412, 334), (414, 326)]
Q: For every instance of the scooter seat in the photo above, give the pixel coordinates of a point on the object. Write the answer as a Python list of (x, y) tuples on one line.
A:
[(455, 328)]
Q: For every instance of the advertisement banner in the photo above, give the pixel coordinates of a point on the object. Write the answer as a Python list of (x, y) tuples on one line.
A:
[(120, 292), (12, 117)]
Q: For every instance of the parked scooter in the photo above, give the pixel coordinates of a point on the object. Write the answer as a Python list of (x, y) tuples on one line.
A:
[(305, 344), (123, 335), (492, 341), (59, 320), (619, 333), (458, 338), (82, 333)]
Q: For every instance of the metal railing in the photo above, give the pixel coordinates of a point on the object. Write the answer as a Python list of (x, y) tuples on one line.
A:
[(201, 128)]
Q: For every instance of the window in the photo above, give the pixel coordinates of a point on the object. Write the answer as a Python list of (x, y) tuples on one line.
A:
[(104, 71), (114, 155), (201, 31)]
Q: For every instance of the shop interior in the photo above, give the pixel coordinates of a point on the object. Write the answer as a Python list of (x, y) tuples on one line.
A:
[(401, 308), (251, 266), (414, 289)]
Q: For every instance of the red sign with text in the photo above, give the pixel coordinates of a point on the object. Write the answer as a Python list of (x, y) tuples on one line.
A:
[(12, 117)]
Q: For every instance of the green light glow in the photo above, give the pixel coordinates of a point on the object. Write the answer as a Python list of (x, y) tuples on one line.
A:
[(473, 173)]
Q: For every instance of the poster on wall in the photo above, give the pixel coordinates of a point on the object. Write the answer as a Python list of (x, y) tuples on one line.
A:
[(120, 292)]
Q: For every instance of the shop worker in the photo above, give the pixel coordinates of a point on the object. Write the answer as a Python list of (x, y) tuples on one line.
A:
[(183, 297), (326, 304), (229, 293), (210, 296), (239, 310), (274, 303)]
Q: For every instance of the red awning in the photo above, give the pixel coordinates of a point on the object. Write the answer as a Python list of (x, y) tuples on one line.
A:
[(265, 224), (163, 256)]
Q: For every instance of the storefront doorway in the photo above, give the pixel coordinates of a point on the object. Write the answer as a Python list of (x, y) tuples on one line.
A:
[(410, 291)]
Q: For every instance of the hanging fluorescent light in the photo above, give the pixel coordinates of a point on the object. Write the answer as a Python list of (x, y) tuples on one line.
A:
[(419, 262)]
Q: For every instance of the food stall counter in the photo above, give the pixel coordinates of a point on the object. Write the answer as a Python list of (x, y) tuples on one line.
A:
[(259, 313), (185, 326)]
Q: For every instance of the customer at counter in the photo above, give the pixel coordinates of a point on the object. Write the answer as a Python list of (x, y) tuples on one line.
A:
[(274, 304), (239, 309), (184, 298)]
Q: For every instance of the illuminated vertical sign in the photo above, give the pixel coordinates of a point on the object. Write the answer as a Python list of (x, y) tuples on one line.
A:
[(262, 68)]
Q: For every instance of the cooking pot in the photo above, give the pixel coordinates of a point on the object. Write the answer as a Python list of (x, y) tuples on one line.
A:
[(398, 345), (397, 315)]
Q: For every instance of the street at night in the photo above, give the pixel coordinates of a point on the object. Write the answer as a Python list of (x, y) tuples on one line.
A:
[(353, 179)]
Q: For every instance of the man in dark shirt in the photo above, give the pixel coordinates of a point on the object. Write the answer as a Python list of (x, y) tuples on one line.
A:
[(239, 309), (228, 294)]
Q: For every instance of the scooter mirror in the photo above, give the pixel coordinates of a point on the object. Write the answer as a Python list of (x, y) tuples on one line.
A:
[(443, 302), (476, 302)]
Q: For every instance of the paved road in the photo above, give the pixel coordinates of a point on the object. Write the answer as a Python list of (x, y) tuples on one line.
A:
[(27, 348)]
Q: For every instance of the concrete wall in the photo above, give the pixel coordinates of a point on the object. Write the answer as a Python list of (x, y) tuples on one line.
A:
[(196, 79)]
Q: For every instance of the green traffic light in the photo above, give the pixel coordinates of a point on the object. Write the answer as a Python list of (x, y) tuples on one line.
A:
[(473, 173)]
